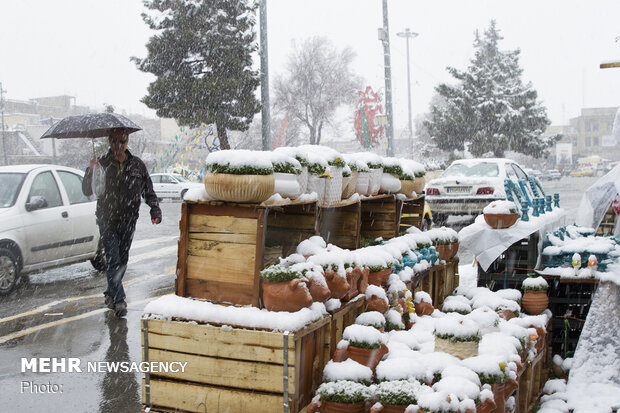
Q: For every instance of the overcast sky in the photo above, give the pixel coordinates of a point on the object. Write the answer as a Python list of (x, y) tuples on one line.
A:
[(82, 47)]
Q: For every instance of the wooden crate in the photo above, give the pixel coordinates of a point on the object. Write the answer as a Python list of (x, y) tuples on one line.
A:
[(452, 276), (412, 213), (232, 369), (341, 319), (531, 383), (438, 284), (339, 224), (222, 246), (380, 217)]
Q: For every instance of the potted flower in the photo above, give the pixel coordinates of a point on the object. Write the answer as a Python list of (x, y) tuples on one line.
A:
[(418, 173), (342, 396), (334, 272), (363, 344), (285, 172), (372, 319), (375, 164), (494, 372), (500, 214), (407, 182), (360, 168), (390, 180), (423, 303), (457, 336), (317, 285), (284, 289), (349, 181), (395, 396), (376, 299), (394, 320), (239, 176), (535, 299)]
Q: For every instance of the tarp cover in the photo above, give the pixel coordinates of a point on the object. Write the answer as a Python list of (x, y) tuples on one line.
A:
[(597, 199)]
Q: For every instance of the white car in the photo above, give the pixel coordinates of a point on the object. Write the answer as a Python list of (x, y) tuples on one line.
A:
[(468, 185), (172, 185), (45, 221)]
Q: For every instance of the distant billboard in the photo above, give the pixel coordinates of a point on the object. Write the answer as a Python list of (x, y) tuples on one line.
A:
[(563, 153)]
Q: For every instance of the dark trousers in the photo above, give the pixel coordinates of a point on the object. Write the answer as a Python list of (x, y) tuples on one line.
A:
[(116, 237)]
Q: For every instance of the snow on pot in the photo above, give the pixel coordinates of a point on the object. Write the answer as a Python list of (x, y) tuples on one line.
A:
[(535, 299), (376, 299), (500, 214), (390, 180), (395, 395), (286, 170), (372, 319), (423, 303), (239, 176), (364, 344), (317, 285), (419, 172), (284, 289), (457, 335), (342, 396), (375, 164), (332, 263)]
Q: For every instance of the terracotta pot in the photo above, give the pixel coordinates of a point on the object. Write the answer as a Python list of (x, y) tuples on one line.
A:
[(375, 303), (498, 394), (501, 221), (534, 302), (353, 278), (390, 408), (363, 280), (486, 407), (366, 357), (418, 184), (424, 308), (333, 407), (339, 355), (239, 188), (540, 342), (444, 251), (288, 296), (380, 278), (314, 407), (455, 249), (558, 372), (509, 387), (406, 188), (506, 314), (337, 285), (319, 292)]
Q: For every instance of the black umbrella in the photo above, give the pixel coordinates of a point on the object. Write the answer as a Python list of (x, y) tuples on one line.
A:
[(91, 125)]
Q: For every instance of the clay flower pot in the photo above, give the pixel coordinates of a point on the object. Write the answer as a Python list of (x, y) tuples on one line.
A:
[(367, 357), (455, 248), (375, 303), (506, 314), (485, 407), (239, 188), (509, 387), (423, 308), (353, 278), (333, 407), (380, 278), (444, 251), (498, 395), (501, 221), (319, 292), (534, 302), (288, 296), (363, 280), (338, 285)]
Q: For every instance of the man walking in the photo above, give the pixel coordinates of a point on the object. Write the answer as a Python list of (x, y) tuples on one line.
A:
[(126, 181)]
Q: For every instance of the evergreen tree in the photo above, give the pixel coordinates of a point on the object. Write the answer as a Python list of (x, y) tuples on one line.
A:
[(490, 108), (202, 58)]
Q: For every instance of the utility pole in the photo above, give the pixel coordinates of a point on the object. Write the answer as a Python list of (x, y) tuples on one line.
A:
[(407, 34), (388, 80), (264, 79), (6, 160)]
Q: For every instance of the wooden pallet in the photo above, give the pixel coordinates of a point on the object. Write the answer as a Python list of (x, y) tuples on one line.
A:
[(380, 217), (222, 246), (232, 369), (412, 213)]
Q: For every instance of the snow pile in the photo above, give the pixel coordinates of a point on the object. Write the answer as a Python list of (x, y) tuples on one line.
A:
[(347, 370), (500, 207)]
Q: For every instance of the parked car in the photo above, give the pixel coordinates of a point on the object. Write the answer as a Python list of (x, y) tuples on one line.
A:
[(551, 175), (468, 185), (582, 172), (168, 185), (45, 221)]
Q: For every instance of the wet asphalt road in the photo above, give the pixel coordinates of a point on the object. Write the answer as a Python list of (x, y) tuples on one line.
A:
[(60, 313)]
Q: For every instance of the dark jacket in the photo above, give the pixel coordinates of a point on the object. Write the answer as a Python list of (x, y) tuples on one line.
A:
[(121, 200)]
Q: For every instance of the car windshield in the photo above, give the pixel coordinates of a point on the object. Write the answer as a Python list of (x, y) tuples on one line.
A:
[(478, 169), (10, 184), (181, 178)]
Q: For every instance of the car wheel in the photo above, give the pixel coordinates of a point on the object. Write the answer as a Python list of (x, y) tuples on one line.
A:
[(98, 261), (183, 192), (8, 271)]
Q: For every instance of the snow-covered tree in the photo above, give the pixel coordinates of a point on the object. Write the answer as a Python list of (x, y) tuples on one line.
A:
[(202, 60), (490, 107), (318, 79)]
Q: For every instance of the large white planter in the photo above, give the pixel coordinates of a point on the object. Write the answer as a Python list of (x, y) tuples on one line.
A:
[(461, 349), (348, 189), (316, 184), (363, 183), (286, 184), (239, 188), (375, 181), (302, 178), (333, 185)]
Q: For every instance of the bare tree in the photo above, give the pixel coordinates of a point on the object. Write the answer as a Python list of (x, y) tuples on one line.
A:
[(317, 80)]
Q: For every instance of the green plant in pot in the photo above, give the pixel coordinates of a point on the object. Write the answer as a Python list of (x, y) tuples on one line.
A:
[(395, 395), (284, 289), (363, 344), (342, 396)]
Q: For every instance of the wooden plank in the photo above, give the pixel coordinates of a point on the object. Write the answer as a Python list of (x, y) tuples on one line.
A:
[(215, 250), (182, 252), (259, 262), (225, 224), (239, 270), (197, 398), (237, 343), (221, 292), (296, 221), (225, 209), (224, 372), (219, 237)]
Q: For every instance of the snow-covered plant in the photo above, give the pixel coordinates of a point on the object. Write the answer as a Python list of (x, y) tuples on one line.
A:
[(290, 166), (457, 329), (456, 304), (490, 369), (363, 336), (393, 320), (344, 391), (534, 284), (238, 162), (349, 370), (392, 166), (500, 207), (371, 318), (397, 392), (346, 171), (277, 273)]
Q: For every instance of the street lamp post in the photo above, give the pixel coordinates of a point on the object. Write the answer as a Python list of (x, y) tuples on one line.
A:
[(384, 36), (407, 34), (6, 161)]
